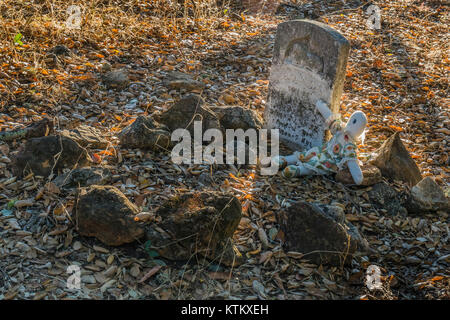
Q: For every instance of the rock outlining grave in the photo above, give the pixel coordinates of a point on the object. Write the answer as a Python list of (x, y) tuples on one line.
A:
[(427, 196), (179, 80), (321, 233), (82, 177), (309, 64), (40, 128), (236, 117), (189, 109), (371, 175), (145, 133), (395, 162), (197, 223), (87, 137), (105, 213), (44, 154)]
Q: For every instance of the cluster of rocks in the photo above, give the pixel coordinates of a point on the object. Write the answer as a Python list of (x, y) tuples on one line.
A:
[(154, 132), (193, 223)]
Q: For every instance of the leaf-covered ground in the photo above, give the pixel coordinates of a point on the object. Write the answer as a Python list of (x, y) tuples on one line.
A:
[(398, 75)]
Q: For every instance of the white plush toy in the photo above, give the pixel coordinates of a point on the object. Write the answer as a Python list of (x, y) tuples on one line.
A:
[(340, 150)]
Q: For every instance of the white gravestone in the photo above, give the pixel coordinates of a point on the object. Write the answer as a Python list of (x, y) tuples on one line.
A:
[(309, 64)]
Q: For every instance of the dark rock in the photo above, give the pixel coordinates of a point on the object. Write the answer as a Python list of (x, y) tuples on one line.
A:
[(189, 109), (37, 129), (371, 175), (383, 196), (116, 79), (145, 133), (197, 223), (105, 213), (41, 155), (179, 80), (82, 177), (427, 196), (205, 178), (60, 50), (395, 162), (321, 233), (235, 117), (87, 137)]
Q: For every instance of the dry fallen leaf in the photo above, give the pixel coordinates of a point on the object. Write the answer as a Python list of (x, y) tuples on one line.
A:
[(150, 273)]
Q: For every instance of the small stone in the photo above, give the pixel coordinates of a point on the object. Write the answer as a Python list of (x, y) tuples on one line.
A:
[(82, 177), (395, 162), (88, 279), (77, 245), (371, 175), (145, 133), (135, 271), (427, 196), (383, 196), (60, 50), (178, 80), (116, 79)]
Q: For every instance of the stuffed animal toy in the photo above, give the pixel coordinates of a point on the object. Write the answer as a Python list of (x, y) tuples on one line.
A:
[(339, 151)]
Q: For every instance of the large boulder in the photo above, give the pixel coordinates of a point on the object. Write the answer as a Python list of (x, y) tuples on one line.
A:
[(197, 223), (371, 175), (87, 137), (236, 117), (395, 162), (427, 196), (189, 109), (145, 133), (321, 233), (105, 213), (46, 154)]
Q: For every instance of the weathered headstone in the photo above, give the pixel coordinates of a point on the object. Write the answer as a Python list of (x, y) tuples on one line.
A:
[(309, 64)]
